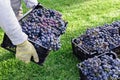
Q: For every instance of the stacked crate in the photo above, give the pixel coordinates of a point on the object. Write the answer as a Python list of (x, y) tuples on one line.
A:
[(97, 41)]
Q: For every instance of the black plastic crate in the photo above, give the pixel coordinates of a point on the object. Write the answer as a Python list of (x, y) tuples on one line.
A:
[(41, 50), (83, 54), (117, 50), (84, 77), (55, 28)]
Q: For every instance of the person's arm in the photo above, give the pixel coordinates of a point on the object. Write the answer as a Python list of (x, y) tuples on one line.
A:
[(31, 3), (9, 23)]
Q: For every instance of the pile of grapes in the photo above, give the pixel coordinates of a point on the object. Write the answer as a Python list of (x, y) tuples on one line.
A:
[(100, 39), (104, 67), (44, 27)]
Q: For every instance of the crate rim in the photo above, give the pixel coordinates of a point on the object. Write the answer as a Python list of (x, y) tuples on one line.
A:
[(39, 44), (79, 46)]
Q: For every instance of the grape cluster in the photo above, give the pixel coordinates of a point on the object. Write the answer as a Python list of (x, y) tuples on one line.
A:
[(44, 27), (101, 38), (104, 67)]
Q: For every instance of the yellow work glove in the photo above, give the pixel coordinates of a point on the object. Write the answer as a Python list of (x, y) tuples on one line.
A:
[(25, 51)]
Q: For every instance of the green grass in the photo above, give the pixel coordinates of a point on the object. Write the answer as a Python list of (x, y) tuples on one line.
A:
[(61, 65)]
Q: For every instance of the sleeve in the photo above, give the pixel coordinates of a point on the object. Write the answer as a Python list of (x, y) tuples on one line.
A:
[(31, 3), (10, 24)]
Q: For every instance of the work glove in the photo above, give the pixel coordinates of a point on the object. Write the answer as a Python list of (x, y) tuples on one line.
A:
[(31, 3), (25, 51)]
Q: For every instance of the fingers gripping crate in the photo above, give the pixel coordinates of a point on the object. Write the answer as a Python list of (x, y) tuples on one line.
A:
[(41, 51), (43, 27)]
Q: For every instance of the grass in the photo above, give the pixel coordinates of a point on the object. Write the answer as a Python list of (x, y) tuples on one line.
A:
[(61, 65)]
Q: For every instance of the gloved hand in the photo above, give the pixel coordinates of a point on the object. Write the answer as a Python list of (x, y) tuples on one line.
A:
[(31, 3), (25, 51)]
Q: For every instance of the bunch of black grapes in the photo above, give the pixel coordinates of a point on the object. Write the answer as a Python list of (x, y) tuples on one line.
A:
[(101, 68), (100, 39), (44, 27)]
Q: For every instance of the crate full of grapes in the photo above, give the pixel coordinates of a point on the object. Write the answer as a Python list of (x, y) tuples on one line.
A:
[(102, 67), (43, 27), (97, 41)]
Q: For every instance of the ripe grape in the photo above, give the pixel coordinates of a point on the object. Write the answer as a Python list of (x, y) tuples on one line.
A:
[(101, 39), (44, 27), (103, 67)]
